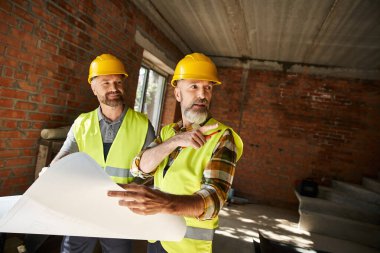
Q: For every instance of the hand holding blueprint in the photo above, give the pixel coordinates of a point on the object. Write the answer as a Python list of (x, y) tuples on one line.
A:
[(70, 198)]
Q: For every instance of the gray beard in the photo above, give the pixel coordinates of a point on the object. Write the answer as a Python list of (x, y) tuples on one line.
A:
[(196, 117)]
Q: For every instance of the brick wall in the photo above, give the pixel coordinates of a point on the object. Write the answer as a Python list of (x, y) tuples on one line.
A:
[(45, 51), (296, 126)]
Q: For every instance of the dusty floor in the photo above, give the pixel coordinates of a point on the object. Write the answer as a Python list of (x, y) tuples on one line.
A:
[(239, 225)]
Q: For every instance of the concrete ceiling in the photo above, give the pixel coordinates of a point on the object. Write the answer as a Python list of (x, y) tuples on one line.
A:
[(333, 37)]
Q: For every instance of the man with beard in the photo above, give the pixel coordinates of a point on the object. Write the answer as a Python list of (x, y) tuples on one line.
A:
[(193, 162), (112, 135)]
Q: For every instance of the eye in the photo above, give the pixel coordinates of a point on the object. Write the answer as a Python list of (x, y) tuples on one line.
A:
[(193, 86)]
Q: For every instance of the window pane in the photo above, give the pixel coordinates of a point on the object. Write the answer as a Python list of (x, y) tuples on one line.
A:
[(153, 97), (140, 89)]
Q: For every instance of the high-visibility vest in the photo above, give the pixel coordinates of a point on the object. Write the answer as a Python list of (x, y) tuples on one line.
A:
[(127, 144), (184, 177)]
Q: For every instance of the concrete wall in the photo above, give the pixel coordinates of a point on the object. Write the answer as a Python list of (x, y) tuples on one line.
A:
[(45, 51)]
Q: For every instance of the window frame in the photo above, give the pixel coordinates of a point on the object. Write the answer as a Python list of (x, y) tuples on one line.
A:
[(149, 69)]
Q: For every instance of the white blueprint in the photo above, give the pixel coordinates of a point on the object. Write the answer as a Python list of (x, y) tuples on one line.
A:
[(70, 198)]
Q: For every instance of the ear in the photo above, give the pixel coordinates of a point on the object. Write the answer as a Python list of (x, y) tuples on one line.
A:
[(93, 88), (177, 94)]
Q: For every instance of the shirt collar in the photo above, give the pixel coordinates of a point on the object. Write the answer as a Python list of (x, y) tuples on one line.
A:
[(102, 117)]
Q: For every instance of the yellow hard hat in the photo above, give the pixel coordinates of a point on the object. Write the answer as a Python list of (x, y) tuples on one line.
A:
[(106, 64), (195, 66)]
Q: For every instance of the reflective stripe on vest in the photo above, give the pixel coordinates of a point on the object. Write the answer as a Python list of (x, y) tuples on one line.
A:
[(199, 233), (118, 172)]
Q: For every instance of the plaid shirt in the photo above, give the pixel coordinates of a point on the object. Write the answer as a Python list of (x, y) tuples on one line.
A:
[(217, 176)]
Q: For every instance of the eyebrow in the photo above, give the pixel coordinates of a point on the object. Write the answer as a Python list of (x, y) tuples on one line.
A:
[(107, 79)]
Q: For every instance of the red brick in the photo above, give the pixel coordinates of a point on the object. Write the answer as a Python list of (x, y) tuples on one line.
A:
[(20, 75), (22, 143), (18, 161), (33, 134), (9, 134), (14, 181), (48, 108), (19, 55), (51, 48), (28, 152), (11, 20), (12, 114), (39, 116), (24, 124), (21, 13), (25, 105), (8, 72), (57, 118), (7, 123), (6, 6), (52, 29), (2, 49), (5, 173), (37, 125), (24, 4), (38, 11), (36, 98), (23, 171), (26, 27), (55, 101), (9, 153), (8, 103), (56, 11), (7, 82), (26, 86), (49, 91)]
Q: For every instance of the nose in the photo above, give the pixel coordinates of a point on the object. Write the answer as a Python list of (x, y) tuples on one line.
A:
[(113, 86), (201, 93)]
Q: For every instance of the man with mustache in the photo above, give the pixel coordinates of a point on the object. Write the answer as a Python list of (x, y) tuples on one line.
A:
[(112, 135), (193, 162)]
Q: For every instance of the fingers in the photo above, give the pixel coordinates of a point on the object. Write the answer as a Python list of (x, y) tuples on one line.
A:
[(118, 194), (137, 207), (198, 137), (134, 192), (140, 199), (130, 190), (198, 140), (115, 193)]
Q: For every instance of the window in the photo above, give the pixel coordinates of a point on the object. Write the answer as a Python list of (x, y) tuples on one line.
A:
[(149, 95)]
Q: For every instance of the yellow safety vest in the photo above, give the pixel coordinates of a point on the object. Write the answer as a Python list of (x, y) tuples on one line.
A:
[(127, 144), (184, 177)]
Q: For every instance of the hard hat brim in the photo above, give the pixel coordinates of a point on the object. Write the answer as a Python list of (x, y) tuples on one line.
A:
[(175, 80), (90, 78)]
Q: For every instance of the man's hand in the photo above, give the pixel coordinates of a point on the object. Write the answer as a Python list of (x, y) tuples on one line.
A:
[(194, 138), (141, 199)]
